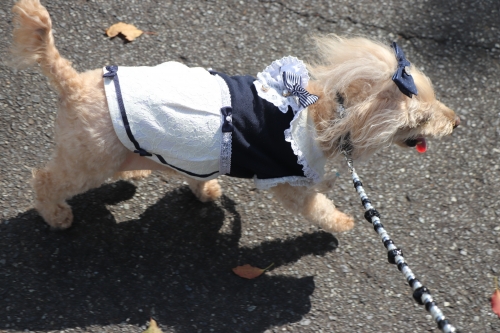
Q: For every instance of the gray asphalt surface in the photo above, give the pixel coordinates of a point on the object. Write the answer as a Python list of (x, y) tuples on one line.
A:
[(148, 248)]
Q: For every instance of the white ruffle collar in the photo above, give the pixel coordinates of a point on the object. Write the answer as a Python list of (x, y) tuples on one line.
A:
[(302, 133), (270, 86)]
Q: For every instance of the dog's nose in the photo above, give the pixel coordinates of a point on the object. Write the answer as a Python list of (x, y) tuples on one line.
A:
[(457, 121)]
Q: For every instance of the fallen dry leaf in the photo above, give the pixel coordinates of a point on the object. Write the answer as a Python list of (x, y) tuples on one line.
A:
[(153, 327), (128, 30), (495, 299), (249, 272)]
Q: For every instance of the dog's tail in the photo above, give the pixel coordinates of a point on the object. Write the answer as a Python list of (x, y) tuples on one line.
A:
[(34, 43)]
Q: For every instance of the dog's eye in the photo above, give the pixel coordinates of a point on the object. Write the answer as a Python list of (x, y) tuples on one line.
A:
[(424, 120)]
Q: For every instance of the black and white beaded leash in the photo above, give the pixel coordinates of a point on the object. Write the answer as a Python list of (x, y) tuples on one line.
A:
[(421, 294)]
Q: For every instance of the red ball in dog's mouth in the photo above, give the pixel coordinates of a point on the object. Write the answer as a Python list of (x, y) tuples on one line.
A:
[(419, 143)]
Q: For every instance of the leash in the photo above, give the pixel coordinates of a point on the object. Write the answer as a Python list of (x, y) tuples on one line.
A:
[(421, 294), (403, 79)]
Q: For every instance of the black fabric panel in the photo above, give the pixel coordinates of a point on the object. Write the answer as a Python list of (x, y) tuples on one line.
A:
[(258, 141)]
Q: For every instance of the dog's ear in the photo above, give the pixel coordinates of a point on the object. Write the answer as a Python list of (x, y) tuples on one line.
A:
[(373, 122)]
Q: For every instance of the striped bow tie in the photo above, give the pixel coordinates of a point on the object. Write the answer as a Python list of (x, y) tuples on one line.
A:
[(292, 83)]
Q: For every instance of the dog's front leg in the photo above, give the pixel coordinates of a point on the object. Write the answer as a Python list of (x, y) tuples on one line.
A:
[(315, 207)]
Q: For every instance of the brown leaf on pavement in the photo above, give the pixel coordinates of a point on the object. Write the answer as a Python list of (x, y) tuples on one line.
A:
[(128, 30), (249, 272)]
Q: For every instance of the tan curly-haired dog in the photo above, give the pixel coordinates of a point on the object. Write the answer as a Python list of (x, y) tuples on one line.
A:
[(359, 104)]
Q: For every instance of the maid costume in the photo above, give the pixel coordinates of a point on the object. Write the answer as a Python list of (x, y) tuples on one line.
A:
[(205, 124)]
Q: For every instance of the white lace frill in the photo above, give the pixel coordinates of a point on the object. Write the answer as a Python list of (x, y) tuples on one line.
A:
[(227, 137), (270, 85), (302, 137)]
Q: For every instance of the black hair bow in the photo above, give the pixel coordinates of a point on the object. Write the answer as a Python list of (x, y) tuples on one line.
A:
[(402, 77)]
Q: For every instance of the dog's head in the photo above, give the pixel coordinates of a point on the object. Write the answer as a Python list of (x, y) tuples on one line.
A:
[(357, 74)]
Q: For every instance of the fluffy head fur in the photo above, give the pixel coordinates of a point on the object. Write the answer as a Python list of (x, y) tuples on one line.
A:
[(377, 112), (88, 151)]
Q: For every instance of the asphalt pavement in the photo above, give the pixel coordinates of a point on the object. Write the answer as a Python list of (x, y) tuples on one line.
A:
[(148, 248)]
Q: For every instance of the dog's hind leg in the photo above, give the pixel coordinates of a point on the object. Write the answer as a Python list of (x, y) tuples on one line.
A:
[(315, 207), (50, 199), (205, 191), (66, 175)]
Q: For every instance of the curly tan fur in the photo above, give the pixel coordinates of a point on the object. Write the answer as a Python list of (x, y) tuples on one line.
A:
[(88, 151), (377, 113)]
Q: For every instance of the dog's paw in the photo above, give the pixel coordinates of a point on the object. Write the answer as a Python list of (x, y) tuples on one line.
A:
[(344, 222), (206, 191), (211, 190), (59, 217), (338, 222)]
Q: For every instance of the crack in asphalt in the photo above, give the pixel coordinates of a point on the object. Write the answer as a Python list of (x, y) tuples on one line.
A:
[(404, 34), (298, 12)]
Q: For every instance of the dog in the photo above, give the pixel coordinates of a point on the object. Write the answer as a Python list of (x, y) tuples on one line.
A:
[(279, 128)]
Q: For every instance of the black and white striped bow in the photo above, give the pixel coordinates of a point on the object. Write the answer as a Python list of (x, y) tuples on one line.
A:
[(292, 83)]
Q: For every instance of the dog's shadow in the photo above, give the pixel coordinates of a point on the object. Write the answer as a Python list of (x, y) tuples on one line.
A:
[(174, 264)]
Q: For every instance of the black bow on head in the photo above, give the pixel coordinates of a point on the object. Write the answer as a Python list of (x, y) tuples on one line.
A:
[(403, 79)]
